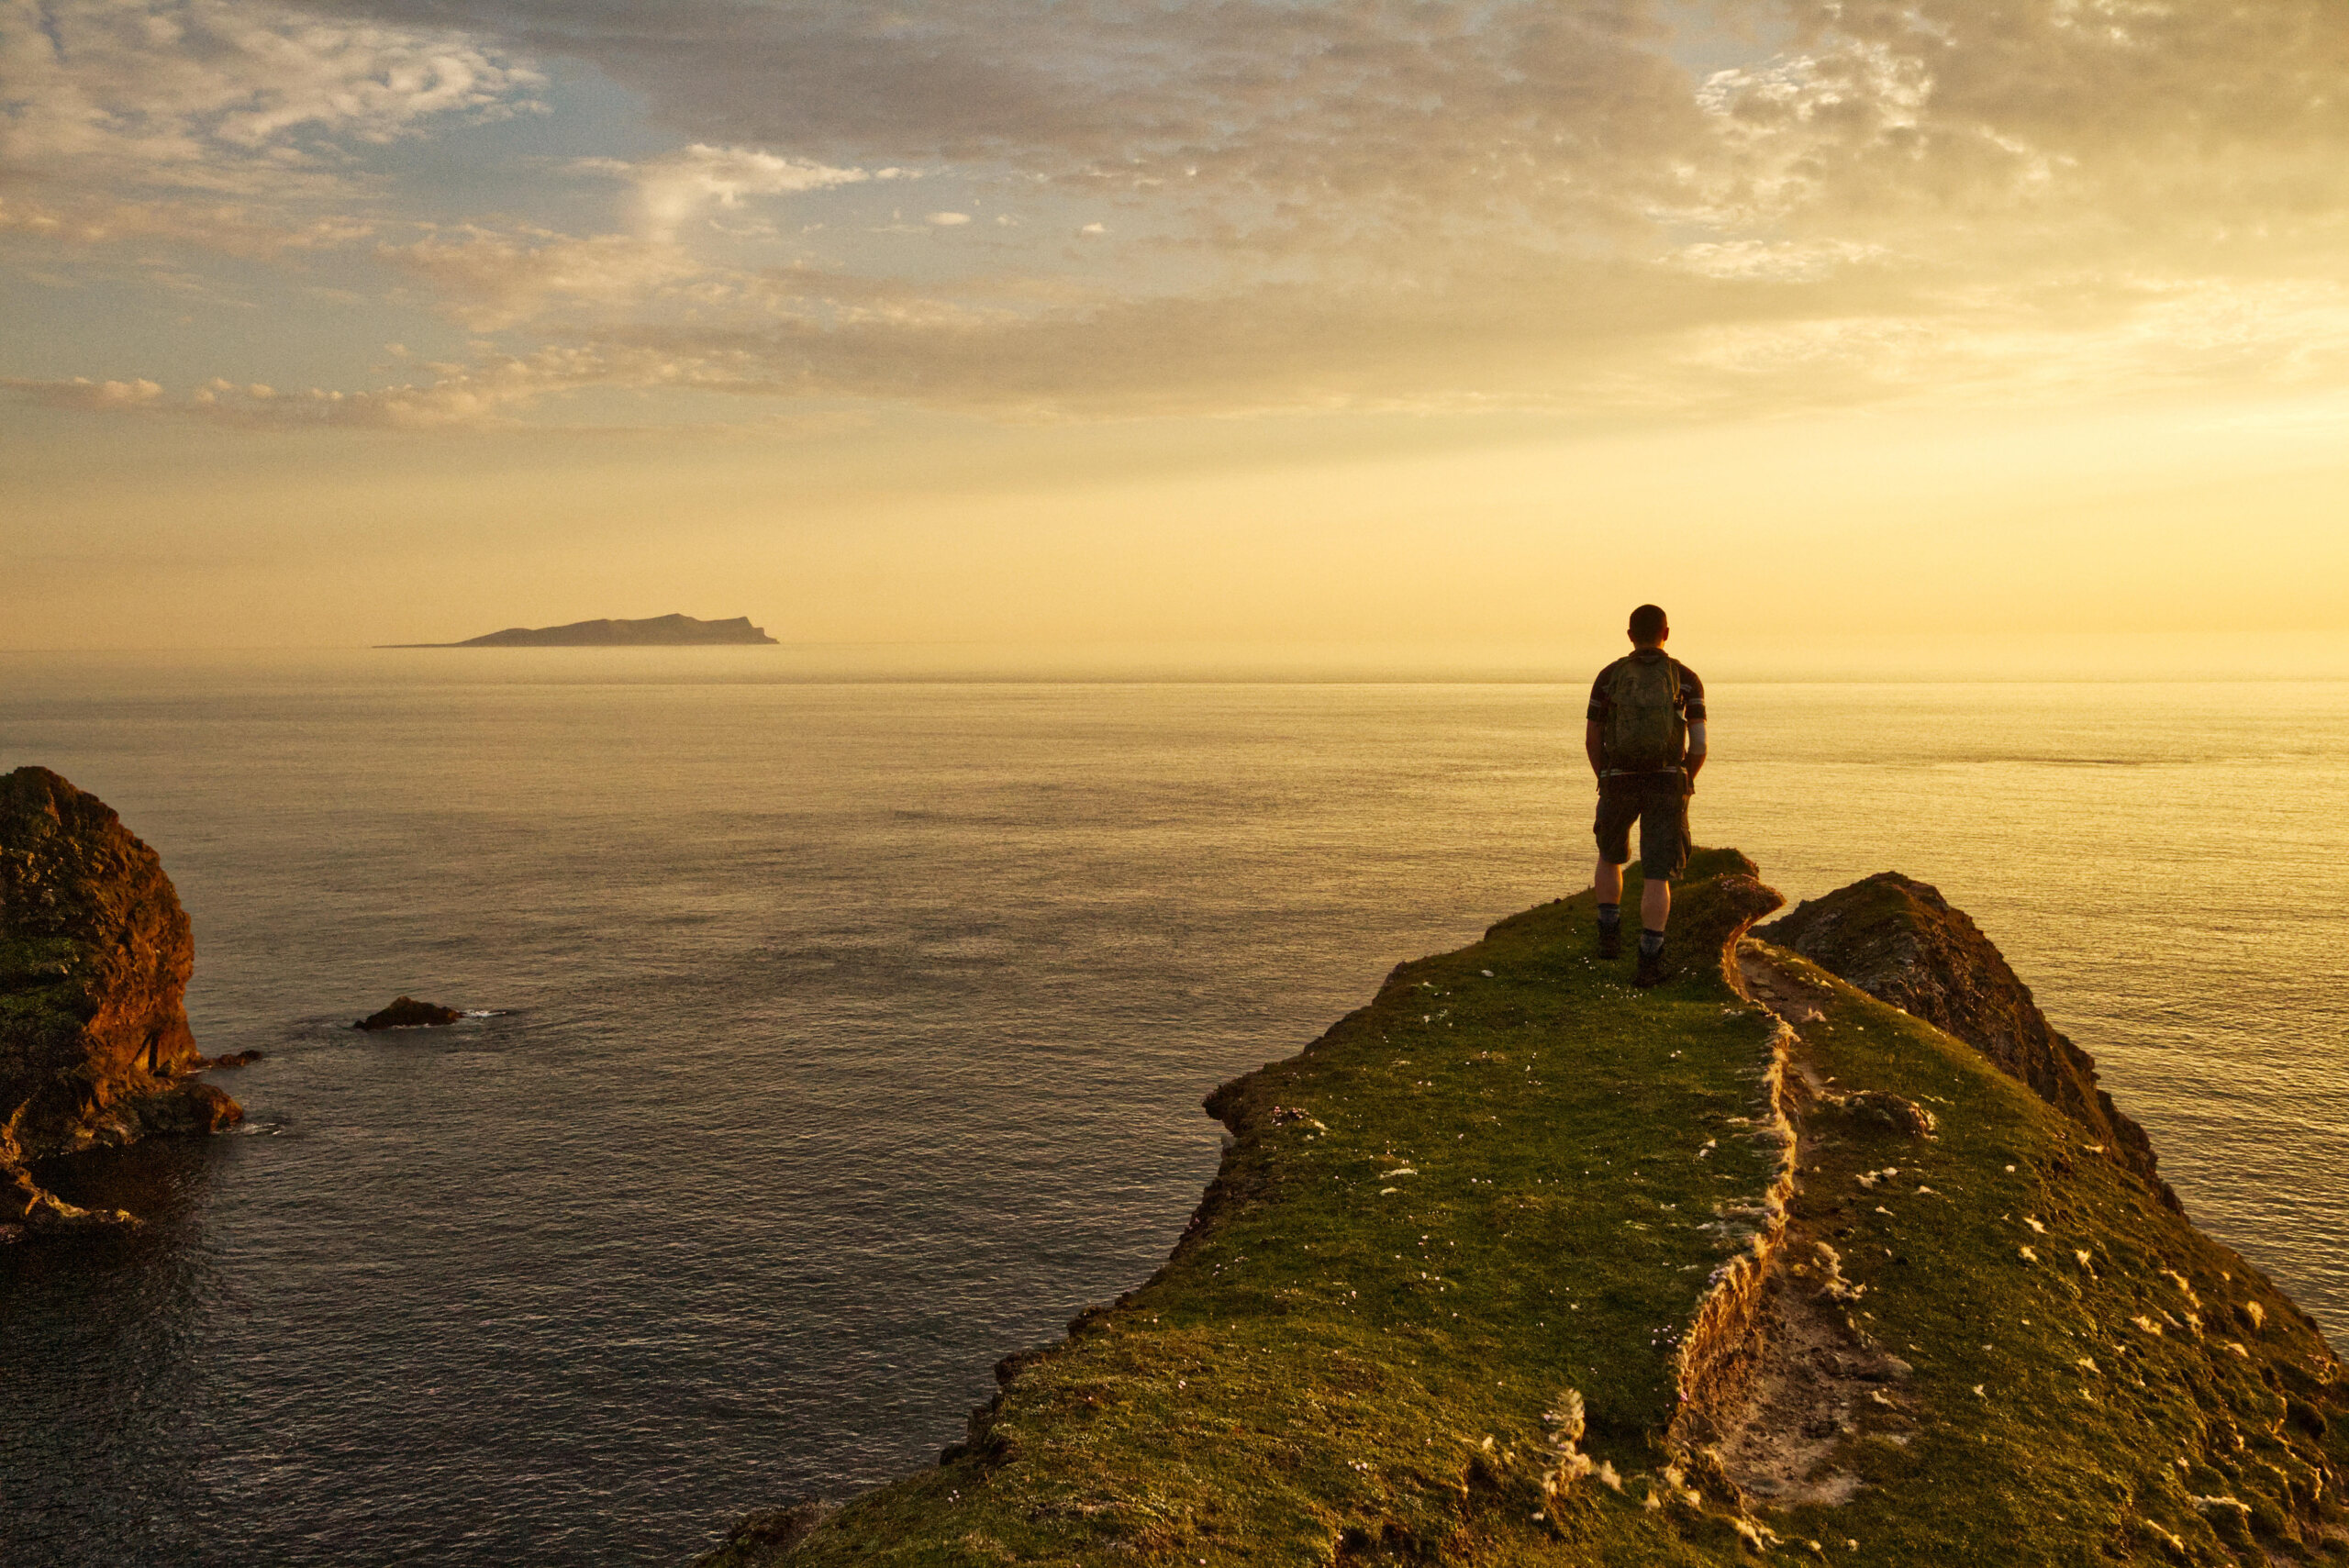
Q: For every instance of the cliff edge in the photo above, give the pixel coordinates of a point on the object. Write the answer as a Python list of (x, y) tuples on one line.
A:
[(1900, 941), (94, 957), (1520, 1264)]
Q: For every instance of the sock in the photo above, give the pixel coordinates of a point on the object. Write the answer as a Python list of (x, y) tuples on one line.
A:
[(1610, 916), (1650, 942)]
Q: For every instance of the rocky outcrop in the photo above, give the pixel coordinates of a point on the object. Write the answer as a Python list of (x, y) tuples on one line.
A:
[(94, 957), (1900, 941), (408, 1013), (766, 1536), (26, 1207)]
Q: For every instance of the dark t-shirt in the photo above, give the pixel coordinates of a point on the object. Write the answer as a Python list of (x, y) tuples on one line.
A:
[(1692, 690)]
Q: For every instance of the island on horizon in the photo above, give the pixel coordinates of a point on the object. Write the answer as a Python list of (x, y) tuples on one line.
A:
[(657, 631)]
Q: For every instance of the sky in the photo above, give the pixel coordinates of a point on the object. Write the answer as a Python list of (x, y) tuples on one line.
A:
[(1430, 333)]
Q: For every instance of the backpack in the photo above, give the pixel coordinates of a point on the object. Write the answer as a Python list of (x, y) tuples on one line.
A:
[(1645, 733)]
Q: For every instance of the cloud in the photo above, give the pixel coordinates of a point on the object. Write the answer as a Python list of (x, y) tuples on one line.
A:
[(485, 396), (1262, 117), (1598, 339), (493, 279), (1456, 204), (2013, 131), (224, 94), (1416, 122), (232, 229), (490, 279), (88, 395), (465, 398), (1782, 260), (674, 190)]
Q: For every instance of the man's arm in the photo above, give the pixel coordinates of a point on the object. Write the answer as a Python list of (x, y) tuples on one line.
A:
[(1593, 728), (1692, 694)]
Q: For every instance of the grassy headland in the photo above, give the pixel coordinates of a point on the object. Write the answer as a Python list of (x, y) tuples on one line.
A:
[(1439, 1305)]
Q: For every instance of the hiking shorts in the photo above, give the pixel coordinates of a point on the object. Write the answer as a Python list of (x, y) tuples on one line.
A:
[(1659, 803)]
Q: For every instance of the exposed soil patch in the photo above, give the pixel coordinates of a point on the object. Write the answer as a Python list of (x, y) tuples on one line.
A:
[(1815, 1382), (1808, 1376)]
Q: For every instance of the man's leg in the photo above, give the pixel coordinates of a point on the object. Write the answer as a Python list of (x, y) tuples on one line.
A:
[(1612, 827), (1664, 854), (1656, 909), (1607, 883)]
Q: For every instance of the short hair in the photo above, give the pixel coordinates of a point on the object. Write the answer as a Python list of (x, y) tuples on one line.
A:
[(1648, 624)]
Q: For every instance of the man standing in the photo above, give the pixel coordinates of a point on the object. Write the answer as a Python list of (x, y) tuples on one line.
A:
[(1645, 739)]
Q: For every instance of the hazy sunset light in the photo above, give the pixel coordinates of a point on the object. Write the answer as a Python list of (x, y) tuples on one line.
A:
[(1185, 784), (1253, 325)]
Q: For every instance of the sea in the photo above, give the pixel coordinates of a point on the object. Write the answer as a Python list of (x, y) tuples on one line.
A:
[(828, 1039)]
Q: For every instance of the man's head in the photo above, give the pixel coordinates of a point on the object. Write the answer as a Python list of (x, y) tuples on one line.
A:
[(1648, 628)]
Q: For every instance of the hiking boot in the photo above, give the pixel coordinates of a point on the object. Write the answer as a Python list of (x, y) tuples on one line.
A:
[(1610, 942), (1653, 970)]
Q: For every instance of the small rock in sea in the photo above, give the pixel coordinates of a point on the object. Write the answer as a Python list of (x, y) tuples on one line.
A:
[(233, 1059), (408, 1013), (190, 1107)]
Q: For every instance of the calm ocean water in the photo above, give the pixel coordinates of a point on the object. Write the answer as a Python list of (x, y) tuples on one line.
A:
[(853, 1035)]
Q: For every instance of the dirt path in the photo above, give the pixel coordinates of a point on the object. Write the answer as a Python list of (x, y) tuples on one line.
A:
[(1793, 1374)]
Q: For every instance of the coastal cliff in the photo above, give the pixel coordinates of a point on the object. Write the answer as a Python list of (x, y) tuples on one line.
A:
[(1520, 1264), (94, 957), (1899, 941)]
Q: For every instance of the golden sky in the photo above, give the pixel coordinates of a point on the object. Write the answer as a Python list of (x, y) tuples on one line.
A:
[(1445, 331)]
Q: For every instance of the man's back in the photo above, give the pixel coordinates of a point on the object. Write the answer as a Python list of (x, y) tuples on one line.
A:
[(1639, 679)]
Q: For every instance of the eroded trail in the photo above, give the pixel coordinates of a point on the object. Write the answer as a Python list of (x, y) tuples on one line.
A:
[(1792, 1373)]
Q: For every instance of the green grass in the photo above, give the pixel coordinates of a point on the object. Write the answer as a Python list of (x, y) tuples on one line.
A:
[(2052, 1460), (1513, 1175)]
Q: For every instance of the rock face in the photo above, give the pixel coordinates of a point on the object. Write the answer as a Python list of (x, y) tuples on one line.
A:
[(94, 957), (408, 1013), (768, 1535), (1901, 942), (26, 1207)]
